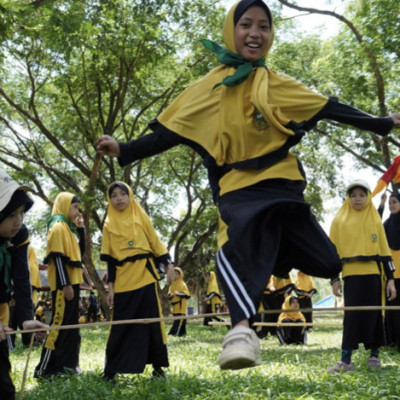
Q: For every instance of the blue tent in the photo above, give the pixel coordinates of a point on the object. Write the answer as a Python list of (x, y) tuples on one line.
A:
[(326, 302)]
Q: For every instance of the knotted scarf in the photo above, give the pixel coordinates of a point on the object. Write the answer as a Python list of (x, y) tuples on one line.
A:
[(226, 57)]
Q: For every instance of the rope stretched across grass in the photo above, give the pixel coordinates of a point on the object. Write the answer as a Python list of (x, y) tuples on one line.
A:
[(199, 316)]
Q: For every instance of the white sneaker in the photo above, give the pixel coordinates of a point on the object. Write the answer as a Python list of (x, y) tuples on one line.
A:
[(240, 349)]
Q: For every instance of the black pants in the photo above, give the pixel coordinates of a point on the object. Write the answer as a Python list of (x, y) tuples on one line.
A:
[(92, 314), (130, 347), (13, 324), (178, 327), (212, 309), (270, 231), (366, 327), (64, 357), (7, 389), (269, 303), (392, 320), (291, 334)]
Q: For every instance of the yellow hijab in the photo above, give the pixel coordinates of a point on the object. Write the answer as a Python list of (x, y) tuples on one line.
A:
[(294, 316), (212, 284), (34, 268), (178, 285), (129, 232), (359, 234), (245, 121), (60, 239)]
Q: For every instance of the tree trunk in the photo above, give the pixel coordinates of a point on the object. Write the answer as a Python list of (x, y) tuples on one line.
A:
[(165, 306), (97, 282)]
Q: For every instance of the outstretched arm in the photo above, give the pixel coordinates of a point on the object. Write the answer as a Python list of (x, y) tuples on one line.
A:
[(343, 113), (159, 140)]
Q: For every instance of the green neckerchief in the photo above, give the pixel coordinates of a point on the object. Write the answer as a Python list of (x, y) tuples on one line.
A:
[(243, 67), (60, 218), (5, 263)]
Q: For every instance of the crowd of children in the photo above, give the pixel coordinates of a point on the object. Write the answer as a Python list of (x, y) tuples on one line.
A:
[(242, 118)]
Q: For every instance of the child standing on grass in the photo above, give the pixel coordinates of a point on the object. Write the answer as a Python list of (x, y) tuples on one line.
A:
[(243, 118), (14, 269), (358, 234), (132, 250), (291, 334), (392, 229), (60, 352), (178, 293), (213, 299)]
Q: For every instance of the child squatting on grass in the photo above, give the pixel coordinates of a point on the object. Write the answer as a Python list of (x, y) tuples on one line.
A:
[(291, 334), (358, 234), (14, 270), (242, 118)]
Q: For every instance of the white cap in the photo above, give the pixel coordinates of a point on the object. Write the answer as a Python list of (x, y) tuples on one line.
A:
[(7, 188), (358, 182)]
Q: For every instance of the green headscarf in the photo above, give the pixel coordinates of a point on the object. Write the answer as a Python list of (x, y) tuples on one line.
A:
[(226, 57), (61, 218)]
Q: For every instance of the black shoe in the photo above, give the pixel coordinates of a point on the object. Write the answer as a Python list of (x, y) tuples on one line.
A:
[(109, 377), (158, 373)]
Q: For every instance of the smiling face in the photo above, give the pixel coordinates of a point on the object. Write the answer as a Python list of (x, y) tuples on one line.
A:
[(394, 205), (10, 226), (358, 198), (119, 198), (252, 34)]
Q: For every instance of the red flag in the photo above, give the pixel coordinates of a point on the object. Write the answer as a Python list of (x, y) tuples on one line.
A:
[(392, 173)]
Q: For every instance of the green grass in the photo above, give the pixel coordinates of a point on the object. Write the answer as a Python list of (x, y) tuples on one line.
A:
[(287, 372)]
